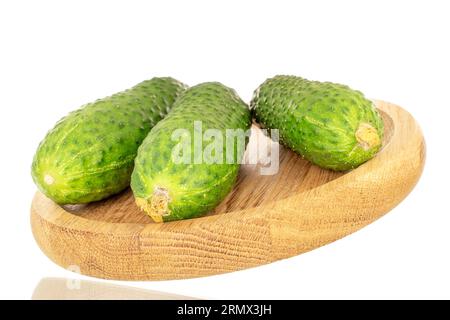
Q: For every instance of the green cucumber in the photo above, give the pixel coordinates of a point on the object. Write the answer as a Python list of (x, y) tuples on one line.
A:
[(329, 124), (89, 154), (167, 189)]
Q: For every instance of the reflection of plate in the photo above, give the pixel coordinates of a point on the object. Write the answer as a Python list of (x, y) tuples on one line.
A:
[(74, 289), (264, 219)]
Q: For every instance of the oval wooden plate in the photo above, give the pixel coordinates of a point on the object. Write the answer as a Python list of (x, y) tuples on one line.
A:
[(264, 219)]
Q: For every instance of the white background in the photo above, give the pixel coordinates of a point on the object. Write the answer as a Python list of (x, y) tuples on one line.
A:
[(56, 56)]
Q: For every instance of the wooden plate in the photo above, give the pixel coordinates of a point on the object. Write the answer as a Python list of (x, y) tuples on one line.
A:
[(264, 219)]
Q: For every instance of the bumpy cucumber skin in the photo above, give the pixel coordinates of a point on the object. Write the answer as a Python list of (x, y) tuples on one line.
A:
[(193, 189), (318, 120), (89, 154)]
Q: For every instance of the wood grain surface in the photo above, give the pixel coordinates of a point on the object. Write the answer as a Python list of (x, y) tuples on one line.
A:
[(264, 219)]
